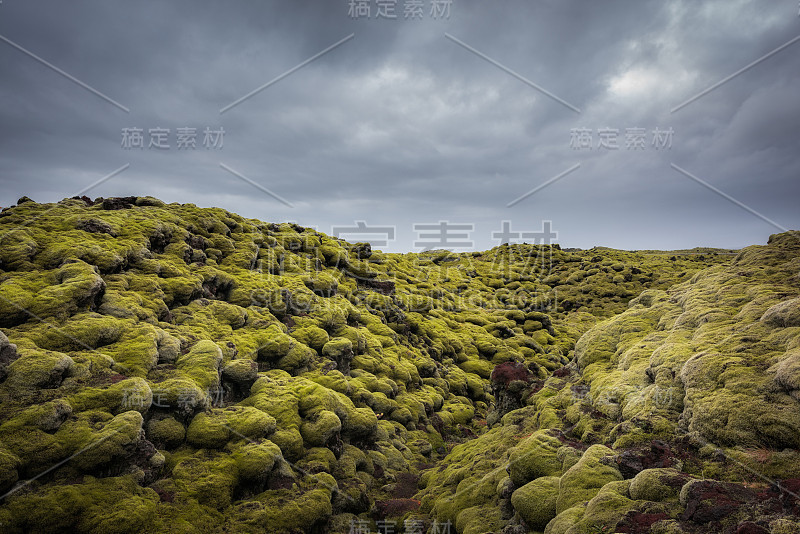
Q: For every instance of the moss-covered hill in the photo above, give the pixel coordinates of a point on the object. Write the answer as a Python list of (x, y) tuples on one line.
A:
[(167, 368)]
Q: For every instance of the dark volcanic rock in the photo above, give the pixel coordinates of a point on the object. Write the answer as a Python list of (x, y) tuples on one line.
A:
[(510, 382), (95, 226), (632, 461), (118, 203), (711, 500)]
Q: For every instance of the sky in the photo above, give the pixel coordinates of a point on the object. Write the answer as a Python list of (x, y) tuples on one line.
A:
[(636, 125)]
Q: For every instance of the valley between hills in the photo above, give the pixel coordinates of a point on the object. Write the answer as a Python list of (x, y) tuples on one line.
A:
[(171, 368)]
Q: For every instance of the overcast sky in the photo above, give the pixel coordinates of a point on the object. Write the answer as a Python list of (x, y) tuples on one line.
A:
[(418, 120)]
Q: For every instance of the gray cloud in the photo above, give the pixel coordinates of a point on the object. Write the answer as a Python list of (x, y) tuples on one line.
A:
[(401, 125)]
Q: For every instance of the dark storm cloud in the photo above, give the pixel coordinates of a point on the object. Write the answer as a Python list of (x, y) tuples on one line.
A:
[(401, 125)]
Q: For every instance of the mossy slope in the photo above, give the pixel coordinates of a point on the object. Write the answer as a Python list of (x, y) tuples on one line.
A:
[(169, 367)]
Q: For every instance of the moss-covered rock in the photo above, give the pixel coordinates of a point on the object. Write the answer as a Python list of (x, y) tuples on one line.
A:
[(215, 428), (535, 502), (242, 372), (536, 456), (319, 431), (605, 509), (165, 432), (113, 442), (340, 350), (255, 460), (784, 314), (583, 480), (236, 346), (210, 479), (564, 521), (312, 335), (38, 369), (9, 475), (116, 504), (659, 484), (131, 394), (202, 364)]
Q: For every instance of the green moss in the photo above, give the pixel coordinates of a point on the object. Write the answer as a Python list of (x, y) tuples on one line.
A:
[(271, 395), (535, 502), (569, 456), (361, 424), (313, 336), (190, 303), (81, 331), (47, 416), (254, 461), (784, 314), (217, 427), (784, 526), (337, 347), (657, 485), (38, 369), (243, 371), (290, 442), (318, 459), (169, 347), (605, 509), (787, 373), (180, 395), (477, 519), (299, 509), (564, 521), (583, 480), (112, 442), (320, 430), (202, 364), (321, 283), (210, 479), (9, 475), (166, 432), (55, 294), (534, 457), (114, 505), (131, 394)]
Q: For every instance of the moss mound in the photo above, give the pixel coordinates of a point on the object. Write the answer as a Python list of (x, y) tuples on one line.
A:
[(165, 367)]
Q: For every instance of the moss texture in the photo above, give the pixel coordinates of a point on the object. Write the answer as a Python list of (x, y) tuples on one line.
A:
[(165, 367)]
